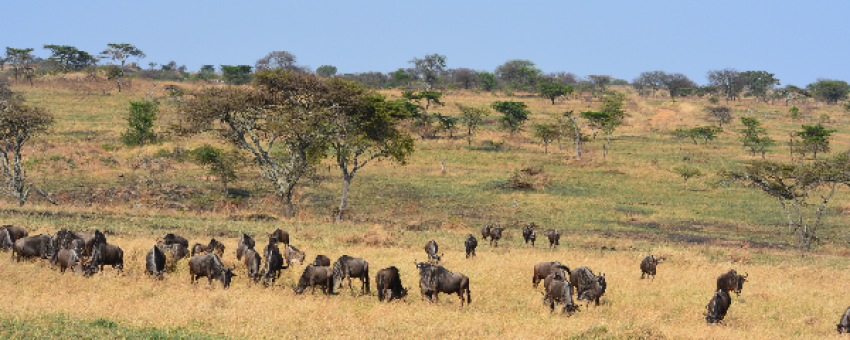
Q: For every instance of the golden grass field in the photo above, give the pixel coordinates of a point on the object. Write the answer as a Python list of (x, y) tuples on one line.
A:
[(629, 201)]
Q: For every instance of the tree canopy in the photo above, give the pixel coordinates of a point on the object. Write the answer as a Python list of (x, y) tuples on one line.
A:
[(830, 91)]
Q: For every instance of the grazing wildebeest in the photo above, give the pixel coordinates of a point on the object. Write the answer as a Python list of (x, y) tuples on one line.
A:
[(431, 249), (34, 246), (389, 284), (716, 309), (281, 236), (485, 232), (15, 233), (245, 242), (434, 280), (170, 239), (67, 258), (293, 255), (558, 291), (155, 263), (106, 254), (844, 324), (528, 234), (210, 265), (6, 240), (495, 234), (63, 238), (731, 281), (471, 243), (647, 266), (252, 262), (178, 251), (322, 260), (274, 263), (554, 237), (347, 267), (315, 276), (214, 247), (88, 240), (589, 287), (544, 269)]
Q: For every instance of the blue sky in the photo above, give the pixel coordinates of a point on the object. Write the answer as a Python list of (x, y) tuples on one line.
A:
[(799, 41)]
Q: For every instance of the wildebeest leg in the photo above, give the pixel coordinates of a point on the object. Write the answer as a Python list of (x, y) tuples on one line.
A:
[(209, 281), (642, 275)]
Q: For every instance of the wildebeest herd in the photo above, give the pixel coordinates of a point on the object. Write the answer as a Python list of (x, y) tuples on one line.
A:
[(87, 254)]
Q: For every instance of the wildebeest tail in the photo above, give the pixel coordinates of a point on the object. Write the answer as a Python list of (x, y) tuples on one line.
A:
[(468, 294), (366, 276), (565, 268)]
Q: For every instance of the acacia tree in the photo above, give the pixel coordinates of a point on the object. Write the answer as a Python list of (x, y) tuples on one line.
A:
[(815, 138), (729, 80), (364, 126), (676, 83), (652, 79), (721, 114), (515, 115), (759, 83), (236, 75), (471, 117), (19, 58), (547, 132), (282, 121), (552, 90), (69, 57), (753, 136), (430, 66), (793, 184), (517, 73), (830, 91), (18, 124), (121, 52), (326, 71)]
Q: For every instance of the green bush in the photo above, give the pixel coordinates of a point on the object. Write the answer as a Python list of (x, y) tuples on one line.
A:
[(141, 120)]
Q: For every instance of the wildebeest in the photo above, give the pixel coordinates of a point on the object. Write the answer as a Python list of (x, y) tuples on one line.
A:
[(544, 269), (731, 281), (647, 266), (33, 246), (107, 254), (252, 262), (245, 242), (528, 234), (431, 249), (274, 263), (6, 240), (471, 243), (560, 291), (214, 247), (66, 258), (554, 237), (293, 255), (322, 260), (485, 232), (844, 324), (210, 265), (315, 276), (434, 280), (170, 239), (589, 287), (716, 309), (88, 240), (15, 233), (494, 232), (155, 263), (177, 250), (347, 267), (281, 236), (389, 285)]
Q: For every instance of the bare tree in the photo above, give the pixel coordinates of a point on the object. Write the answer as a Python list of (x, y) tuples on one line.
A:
[(464, 77), (676, 82), (18, 124), (729, 80), (282, 60), (651, 79)]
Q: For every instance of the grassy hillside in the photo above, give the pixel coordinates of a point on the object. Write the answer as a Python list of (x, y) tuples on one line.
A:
[(615, 209)]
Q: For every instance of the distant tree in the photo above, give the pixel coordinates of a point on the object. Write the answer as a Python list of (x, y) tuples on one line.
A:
[(69, 58), (705, 133), (676, 83), (236, 75), (471, 117), (515, 114), (815, 138), (465, 78), (19, 58), (760, 83), (610, 115), (687, 172), (219, 162), (121, 52), (753, 136), (207, 72), (280, 60), (565, 78), (488, 80), (19, 123), (421, 102), (729, 80), (576, 130), (619, 82), (651, 79), (720, 114), (553, 90), (830, 91), (518, 74), (400, 78), (141, 118), (546, 132), (430, 66), (207, 68), (326, 71), (600, 81)]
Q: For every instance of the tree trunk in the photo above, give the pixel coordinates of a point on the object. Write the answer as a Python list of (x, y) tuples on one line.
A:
[(343, 203)]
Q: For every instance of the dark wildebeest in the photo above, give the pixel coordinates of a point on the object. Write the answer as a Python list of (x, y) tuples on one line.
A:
[(107, 254), (274, 262), (67, 258), (88, 240), (471, 243), (544, 269), (322, 260), (589, 287), (6, 240), (155, 263), (293, 255), (214, 247), (844, 324), (315, 276), (389, 284), (528, 234), (245, 242), (485, 232), (177, 250), (434, 280), (495, 234), (34, 246), (210, 265), (170, 239), (716, 309), (647, 266), (731, 281), (281, 236), (431, 249), (15, 233), (252, 262), (554, 237), (347, 267), (559, 290)]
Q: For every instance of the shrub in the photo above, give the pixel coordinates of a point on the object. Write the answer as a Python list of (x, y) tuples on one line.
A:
[(141, 119)]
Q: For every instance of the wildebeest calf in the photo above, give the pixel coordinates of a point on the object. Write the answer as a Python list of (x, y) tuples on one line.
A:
[(471, 243), (245, 242), (716, 309), (315, 276), (589, 287), (554, 237), (347, 267), (252, 262), (731, 281), (844, 324), (544, 269), (293, 255), (67, 258), (210, 265), (214, 247), (389, 284), (560, 291), (431, 249), (155, 263), (434, 280), (647, 266)]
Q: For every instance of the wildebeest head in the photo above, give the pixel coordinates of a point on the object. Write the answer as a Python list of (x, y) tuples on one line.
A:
[(844, 324), (225, 276), (5, 240), (740, 284), (293, 255)]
